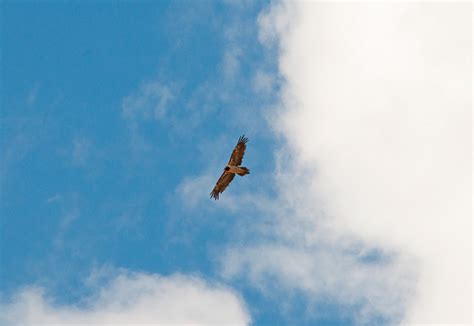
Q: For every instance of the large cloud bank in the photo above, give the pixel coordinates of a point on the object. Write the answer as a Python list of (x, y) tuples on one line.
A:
[(133, 299), (376, 112)]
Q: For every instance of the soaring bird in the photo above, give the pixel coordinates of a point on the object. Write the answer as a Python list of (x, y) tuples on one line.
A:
[(232, 168)]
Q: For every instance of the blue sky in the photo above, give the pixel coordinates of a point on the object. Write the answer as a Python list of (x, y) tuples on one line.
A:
[(117, 117), (84, 184)]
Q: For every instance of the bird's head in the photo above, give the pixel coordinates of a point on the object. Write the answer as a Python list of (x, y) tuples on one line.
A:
[(227, 168)]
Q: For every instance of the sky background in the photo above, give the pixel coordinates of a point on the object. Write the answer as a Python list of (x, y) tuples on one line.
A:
[(117, 117)]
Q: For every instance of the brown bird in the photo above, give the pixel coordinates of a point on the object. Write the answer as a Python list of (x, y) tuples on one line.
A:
[(232, 168)]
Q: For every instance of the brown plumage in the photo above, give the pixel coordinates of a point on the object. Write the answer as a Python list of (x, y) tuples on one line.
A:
[(232, 168)]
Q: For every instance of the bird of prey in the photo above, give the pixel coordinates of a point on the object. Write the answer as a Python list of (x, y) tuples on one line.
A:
[(232, 168)]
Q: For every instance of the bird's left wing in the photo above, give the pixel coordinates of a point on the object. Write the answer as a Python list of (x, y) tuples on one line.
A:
[(239, 151), (221, 184)]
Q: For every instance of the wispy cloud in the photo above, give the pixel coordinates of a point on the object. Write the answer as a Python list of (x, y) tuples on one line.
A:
[(231, 62), (70, 213), (53, 198), (263, 82), (193, 190), (149, 103), (81, 149), (193, 193), (325, 274), (32, 95)]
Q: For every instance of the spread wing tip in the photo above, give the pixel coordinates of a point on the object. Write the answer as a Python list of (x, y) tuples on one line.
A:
[(243, 139), (214, 194)]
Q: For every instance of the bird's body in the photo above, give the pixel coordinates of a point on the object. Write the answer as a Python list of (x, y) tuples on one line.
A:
[(240, 170), (232, 168)]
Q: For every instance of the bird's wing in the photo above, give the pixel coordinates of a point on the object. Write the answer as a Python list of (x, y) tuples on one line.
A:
[(221, 184), (238, 152)]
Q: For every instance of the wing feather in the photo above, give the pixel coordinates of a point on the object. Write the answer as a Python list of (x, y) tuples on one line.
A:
[(221, 184), (238, 152)]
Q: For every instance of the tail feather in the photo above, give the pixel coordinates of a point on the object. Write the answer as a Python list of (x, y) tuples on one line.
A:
[(243, 171)]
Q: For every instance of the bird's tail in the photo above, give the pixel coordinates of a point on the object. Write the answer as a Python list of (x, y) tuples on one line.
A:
[(243, 171)]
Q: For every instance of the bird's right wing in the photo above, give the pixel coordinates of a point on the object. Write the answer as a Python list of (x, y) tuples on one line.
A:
[(225, 179)]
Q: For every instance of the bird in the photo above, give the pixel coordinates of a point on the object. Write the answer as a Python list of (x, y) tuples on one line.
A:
[(232, 168)]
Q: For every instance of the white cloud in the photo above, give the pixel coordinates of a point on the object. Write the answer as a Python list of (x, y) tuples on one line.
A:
[(133, 299), (375, 110)]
